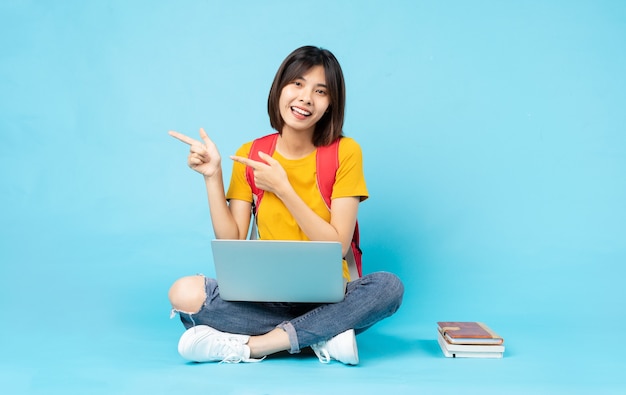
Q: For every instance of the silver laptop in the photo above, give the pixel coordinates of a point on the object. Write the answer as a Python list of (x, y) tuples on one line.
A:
[(279, 271)]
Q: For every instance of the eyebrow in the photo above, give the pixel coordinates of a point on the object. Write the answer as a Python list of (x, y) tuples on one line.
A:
[(320, 85)]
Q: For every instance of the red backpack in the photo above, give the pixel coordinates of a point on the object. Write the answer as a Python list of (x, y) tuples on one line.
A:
[(327, 163)]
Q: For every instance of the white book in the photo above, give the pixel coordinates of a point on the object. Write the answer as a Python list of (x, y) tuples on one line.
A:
[(470, 347), (469, 351)]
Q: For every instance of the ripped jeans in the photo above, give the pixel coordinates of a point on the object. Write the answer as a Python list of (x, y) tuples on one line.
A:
[(368, 300)]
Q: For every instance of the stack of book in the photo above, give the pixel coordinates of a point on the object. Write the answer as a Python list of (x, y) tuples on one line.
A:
[(469, 340)]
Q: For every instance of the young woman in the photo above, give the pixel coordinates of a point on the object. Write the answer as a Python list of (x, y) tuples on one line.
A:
[(306, 107)]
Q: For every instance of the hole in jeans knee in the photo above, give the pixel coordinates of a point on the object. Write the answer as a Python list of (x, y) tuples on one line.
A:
[(188, 294)]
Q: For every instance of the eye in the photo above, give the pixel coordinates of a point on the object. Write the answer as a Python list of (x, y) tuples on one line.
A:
[(297, 83), (321, 92)]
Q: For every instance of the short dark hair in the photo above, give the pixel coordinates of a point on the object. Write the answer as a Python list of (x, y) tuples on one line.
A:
[(330, 126)]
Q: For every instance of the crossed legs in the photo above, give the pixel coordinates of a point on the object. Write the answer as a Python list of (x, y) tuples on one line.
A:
[(267, 328)]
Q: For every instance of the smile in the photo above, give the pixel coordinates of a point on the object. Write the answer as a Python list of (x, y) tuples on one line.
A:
[(301, 111)]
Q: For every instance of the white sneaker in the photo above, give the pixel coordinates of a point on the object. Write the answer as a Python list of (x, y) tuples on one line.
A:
[(202, 343), (341, 348)]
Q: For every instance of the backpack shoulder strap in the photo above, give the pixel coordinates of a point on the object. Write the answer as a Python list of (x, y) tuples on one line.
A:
[(327, 163), (265, 144)]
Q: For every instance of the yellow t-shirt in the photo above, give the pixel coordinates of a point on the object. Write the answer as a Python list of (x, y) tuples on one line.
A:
[(274, 221)]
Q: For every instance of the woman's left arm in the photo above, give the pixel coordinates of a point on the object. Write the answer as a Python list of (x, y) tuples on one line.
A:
[(343, 214)]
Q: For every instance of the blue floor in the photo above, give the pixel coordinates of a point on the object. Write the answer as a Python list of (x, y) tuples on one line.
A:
[(94, 319)]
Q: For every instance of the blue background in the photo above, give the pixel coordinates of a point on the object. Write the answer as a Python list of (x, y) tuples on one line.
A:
[(494, 148)]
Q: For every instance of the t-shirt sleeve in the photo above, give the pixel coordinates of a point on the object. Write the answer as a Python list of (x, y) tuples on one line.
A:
[(239, 189), (350, 180)]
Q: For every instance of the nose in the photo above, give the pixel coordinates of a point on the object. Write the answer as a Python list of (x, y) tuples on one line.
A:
[(305, 96)]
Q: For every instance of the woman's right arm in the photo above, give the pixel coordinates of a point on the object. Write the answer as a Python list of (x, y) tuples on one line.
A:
[(230, 221)]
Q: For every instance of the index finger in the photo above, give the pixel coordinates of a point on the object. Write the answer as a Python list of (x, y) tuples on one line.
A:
[(185, 139), (247, 161)]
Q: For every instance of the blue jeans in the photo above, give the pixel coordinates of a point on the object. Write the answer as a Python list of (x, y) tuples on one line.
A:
[(368, 300)]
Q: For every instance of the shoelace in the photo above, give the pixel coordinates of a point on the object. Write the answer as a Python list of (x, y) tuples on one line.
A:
[(322, 353), (229, 349)]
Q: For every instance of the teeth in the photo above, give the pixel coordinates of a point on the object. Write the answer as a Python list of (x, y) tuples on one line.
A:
[(300, 111)]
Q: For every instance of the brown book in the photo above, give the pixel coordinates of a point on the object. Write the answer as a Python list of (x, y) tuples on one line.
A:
[(468, 333)]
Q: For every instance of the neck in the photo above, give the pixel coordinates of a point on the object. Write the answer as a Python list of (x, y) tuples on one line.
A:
[(295, 145)]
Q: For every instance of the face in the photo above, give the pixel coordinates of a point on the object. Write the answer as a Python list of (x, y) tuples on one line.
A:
[(304, 101)]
